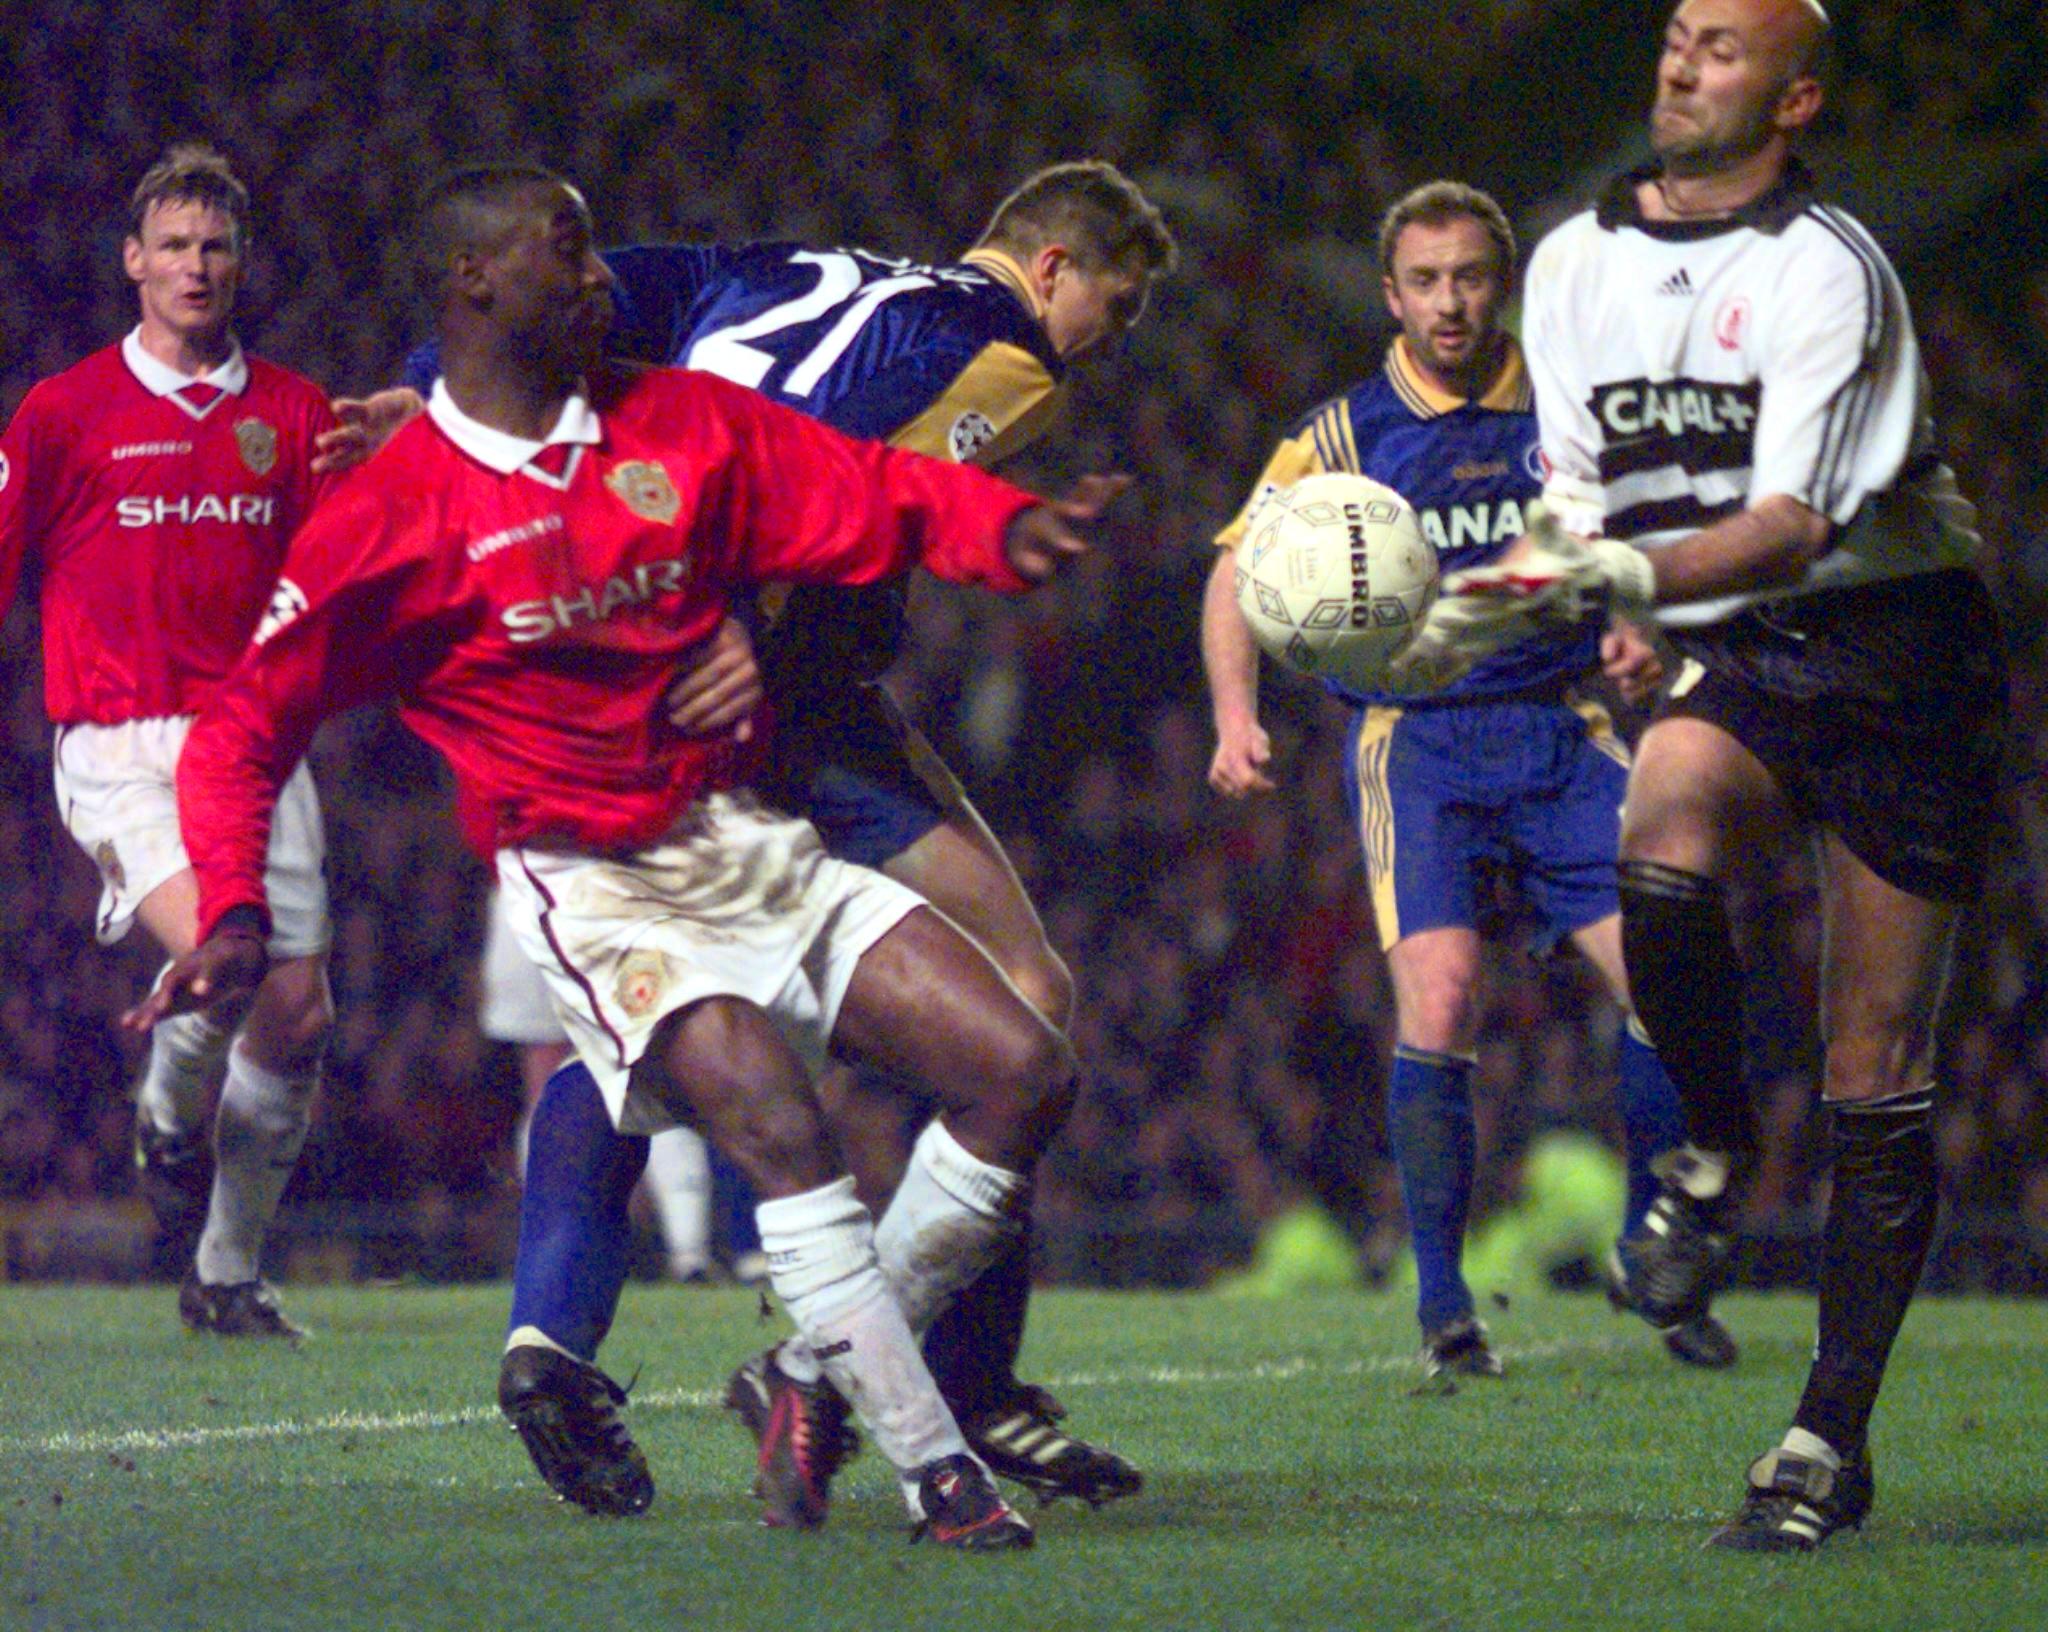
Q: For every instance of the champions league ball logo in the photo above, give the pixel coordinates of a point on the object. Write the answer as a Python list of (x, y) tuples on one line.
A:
[(971, 432)]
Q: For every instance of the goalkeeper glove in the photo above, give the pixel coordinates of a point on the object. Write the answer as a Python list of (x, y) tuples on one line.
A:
[(1555, 580)]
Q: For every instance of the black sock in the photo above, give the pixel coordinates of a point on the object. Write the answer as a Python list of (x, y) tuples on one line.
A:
[(972, 1347), (1686, 984), (1879, 1225)]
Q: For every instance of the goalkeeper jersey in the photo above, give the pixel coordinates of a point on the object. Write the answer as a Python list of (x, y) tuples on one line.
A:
[(1685, 370), (1470, 469)]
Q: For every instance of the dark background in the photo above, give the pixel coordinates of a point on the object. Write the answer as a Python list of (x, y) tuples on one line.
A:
[(1234, 1009)]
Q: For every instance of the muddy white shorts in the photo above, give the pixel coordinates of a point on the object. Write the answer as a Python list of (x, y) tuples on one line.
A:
[(514, 1005), (117, 794), (738, 901)]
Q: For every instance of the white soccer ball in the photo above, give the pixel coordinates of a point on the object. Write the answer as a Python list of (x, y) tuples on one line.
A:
[(1334, 577)]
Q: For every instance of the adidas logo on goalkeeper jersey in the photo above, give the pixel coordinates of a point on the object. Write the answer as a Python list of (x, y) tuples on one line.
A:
[(1677, 284)]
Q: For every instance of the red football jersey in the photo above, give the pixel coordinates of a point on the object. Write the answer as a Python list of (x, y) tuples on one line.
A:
[(529, 605), (159, 508)]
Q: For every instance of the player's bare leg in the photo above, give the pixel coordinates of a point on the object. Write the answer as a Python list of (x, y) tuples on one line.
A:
[(1699, 803), (960, 868), (1883, 968), (731, 1072), (259, 1126), (175, 1098), (1430, 1127), (1882, 973), (973, 1345)]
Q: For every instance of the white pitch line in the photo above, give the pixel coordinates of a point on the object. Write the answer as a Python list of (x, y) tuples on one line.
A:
[(106, 1442)]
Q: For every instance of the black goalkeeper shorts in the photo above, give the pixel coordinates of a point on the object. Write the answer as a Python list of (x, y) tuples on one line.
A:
[(1881, 712)]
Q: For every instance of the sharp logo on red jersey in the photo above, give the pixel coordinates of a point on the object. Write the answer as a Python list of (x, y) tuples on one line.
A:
[(593, 603), (258, 445), (252, 509), (645, 488)]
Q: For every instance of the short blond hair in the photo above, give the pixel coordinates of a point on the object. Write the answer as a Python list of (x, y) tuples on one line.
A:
[(191, 173), (1437, 202), (1092, 207)]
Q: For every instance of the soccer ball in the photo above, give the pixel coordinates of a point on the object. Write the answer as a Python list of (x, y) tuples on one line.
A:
[(1334, 578)]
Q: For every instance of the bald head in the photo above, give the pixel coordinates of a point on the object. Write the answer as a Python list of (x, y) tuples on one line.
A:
[(1736, 83), (1796, 32)]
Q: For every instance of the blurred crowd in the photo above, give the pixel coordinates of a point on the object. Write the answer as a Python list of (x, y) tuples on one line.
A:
[(1234, 1010)]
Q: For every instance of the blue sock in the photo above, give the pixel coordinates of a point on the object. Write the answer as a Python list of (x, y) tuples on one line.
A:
[(575, 1238), (1652, 1119), (1429, 1124), (972, 1347)]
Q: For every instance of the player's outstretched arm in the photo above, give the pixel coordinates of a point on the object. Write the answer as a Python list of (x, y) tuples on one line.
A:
[(1231, 662), (1042, 540), (365, 425)]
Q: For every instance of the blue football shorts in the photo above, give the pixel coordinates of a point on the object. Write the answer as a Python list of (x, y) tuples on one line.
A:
[(861, 773), (1443, 797)]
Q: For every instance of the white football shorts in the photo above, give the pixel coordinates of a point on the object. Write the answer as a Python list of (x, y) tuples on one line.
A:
[(737, 901), (117, 794), (515, 1006)]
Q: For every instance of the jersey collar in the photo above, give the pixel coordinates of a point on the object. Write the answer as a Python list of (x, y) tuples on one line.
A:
[(1508, 394), (1007, 270), (1771, 211), (507, 454), (159, 379)]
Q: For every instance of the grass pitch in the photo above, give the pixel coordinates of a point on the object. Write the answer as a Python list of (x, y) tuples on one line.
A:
[(153, 1480)]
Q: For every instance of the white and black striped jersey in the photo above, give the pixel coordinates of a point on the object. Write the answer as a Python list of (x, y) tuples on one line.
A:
[(1687, 369)]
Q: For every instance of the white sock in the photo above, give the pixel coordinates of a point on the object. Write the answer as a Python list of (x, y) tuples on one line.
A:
[(950, 1217), (185, 1054), (532, 1337), (256, 1138), (821, 1263), (1810, 1447), (679, 1181), (1701, 1174)]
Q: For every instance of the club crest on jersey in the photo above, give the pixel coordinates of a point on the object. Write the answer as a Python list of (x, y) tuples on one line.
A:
[(1730, 322), (645, 489), (971, 432), (258, 445), (643, 976)]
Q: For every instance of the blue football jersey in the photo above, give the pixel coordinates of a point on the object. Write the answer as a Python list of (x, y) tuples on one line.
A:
[(1470, 469), (948, 360)]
